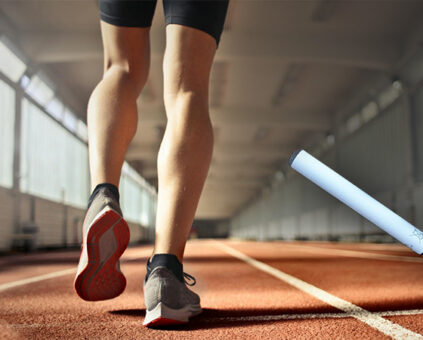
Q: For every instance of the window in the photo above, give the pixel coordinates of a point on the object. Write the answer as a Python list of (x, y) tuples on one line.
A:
[(7, 129), (10, 64), (369, 111), (39, 90), (354, 123), (54, 164), (389, 95), (82, 131), (131, 198), (70, 120), (56, 108), (137, 197)]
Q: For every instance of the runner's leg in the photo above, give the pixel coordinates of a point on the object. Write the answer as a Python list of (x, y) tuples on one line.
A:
[(186, 149), (112, 110)]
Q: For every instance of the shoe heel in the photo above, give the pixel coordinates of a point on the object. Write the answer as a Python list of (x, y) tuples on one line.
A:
[(100, 279), (163, 315)]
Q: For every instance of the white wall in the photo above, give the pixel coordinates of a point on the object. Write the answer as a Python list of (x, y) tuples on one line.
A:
[(58, 225), (384, 158)]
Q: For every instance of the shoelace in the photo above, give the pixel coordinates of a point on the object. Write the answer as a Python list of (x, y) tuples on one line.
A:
[(188, 277)]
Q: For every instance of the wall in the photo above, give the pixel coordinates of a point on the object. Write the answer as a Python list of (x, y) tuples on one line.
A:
[(59, 225), (384, 158)]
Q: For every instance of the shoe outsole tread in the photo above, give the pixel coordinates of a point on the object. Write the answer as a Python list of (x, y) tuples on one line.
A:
[(102, 281), (164, 322), (163, 315)]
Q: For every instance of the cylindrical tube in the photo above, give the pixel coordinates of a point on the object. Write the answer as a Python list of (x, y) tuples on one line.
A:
[(358, 200)]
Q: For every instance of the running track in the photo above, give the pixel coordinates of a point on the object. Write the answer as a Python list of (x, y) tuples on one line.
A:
[(253, 290)]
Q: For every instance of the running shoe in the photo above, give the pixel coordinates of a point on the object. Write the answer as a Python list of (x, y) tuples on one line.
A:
[(105, 238), (169, 301)]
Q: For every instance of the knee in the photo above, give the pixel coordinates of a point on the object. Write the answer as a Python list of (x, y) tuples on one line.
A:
[(188, 116), (186, 101), (132, 73), (184, 84)]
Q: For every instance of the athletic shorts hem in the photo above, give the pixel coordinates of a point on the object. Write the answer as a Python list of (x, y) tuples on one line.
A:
[(123, 21), (201, 25)]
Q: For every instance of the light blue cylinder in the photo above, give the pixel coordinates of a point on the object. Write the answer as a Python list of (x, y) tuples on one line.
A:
[(357, 199)]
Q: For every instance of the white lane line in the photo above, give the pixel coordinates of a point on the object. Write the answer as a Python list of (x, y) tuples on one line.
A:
[(373, 320), (38, 278), (52, 275), (360, 254)]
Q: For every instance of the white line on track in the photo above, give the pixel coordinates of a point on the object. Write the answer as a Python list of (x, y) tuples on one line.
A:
[(372, 319), (43, 277), (354, 253), (13, 284)]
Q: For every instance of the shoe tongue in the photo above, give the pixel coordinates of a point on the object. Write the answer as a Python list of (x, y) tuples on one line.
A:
[(169, 261)]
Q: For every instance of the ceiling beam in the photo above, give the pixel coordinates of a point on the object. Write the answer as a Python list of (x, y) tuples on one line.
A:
[(300, 48)]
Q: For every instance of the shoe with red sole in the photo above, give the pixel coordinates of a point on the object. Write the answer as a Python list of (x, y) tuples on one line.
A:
[(169, 301), (105, 238)]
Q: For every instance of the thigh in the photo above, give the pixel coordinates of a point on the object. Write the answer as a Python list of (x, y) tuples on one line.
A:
[(129, 13), (205, 15), (187, 61), (129, 49)]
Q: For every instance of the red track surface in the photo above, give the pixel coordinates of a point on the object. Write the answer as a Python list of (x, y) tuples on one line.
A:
[(239, 300)]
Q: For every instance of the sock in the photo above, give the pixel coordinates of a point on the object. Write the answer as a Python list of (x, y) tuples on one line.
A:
[(169, 261), (114, 190)]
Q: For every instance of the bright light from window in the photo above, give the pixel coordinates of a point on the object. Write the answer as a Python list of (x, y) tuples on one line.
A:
[(70, 121), (397, 85), (24, 81), (279, 176), (354, 123), (127, 170), (369, 111), (389, 95), (330, 139), (82, 130), (56, 108), (131, 173), (12, 66), (39, 90)]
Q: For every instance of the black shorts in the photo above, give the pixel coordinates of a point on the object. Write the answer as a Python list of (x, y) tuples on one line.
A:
[(206, 15)]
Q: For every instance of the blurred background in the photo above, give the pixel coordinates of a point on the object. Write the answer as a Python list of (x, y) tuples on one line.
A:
[(341, 79)]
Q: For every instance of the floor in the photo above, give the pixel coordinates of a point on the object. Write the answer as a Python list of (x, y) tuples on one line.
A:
[(249, 290)]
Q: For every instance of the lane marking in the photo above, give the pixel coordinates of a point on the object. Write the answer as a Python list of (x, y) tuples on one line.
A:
[(371, 319), (125, 258), (38, 278), (13, 284), (360, 254)]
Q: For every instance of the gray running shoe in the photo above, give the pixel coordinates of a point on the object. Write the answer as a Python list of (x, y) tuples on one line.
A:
[(105, 238), (169, 301)]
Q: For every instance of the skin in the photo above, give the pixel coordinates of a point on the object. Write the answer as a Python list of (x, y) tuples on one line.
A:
[(186, 149)]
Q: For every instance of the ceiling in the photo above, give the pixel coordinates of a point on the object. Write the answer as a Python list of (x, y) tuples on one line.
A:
[(282, 71)]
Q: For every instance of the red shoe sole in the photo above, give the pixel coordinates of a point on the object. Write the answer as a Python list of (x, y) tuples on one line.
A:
[(102, 281), (163, 322)]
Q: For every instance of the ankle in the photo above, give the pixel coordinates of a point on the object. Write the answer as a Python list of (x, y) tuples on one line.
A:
[(169, 261), (114, 191)]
